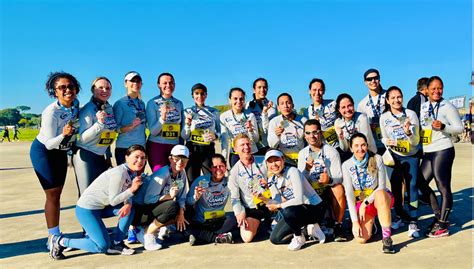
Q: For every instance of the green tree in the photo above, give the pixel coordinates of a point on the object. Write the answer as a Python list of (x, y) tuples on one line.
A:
[(35, 121), (23, 108), (9, 116), (23, 122)]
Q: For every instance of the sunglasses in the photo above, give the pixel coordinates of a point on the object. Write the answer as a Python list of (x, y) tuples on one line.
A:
[(372, 78), (313, 132), (179, 158), (64, 87)]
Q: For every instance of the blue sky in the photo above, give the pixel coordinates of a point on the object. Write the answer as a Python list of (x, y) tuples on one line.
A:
[(224, 44)]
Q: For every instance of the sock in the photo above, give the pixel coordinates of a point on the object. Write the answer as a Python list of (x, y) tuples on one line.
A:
[(386, 232), (54, 230)]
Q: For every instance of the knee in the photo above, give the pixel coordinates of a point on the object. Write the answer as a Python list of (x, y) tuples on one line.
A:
[(247, 237)]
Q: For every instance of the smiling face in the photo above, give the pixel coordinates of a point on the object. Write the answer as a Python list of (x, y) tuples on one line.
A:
[(313, 135), (136, 160), (237, 101), (285, 105), (199, 96), (435, 90), (102, 90), (372, 81), (316, 92), (65, 91), (166, 85), (260, 90), (178, 163), (133, 86), (346, 108), (275, 164), (359, 148), (218, 169), (243, 147), (395, 100)]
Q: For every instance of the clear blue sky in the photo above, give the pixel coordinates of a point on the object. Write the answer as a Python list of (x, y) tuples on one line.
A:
[(230, 43)]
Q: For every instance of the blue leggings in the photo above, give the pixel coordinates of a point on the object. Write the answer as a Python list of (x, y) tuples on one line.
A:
[(97, 239), (406, 169)]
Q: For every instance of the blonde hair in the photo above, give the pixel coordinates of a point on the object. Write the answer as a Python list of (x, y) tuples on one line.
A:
[(238, 137), (372, 165), (97, 79)]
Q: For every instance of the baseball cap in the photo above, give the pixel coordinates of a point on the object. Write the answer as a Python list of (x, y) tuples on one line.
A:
[(131, 75), (180, 150), (273, 153)]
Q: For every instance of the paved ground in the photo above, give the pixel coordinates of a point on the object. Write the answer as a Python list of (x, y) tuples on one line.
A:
[(23, 232)]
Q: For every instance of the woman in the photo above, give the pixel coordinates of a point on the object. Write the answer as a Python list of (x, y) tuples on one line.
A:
[(439, 121), (97, 133), (297, 201), (165, 117), (109, 195), (285, 131), (57, 135), (364, 180), (129, 112), (324, 110), (400, 133), (234, 121), (201, 129), (349, 122), (207, 198)]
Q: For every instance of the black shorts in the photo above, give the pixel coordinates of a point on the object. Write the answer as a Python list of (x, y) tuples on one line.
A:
[(257, 213)]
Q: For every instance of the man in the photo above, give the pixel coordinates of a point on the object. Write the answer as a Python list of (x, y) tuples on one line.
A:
[(248, 189), (373, 105), (420, 96), (321, 166)]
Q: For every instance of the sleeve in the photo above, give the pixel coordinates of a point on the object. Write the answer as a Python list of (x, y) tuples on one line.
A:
[(237, 206), (273, 139), (116, 181), (360, 106), (302, 160), (118, 114), (349, 190), (153, 118), (190, 196), (454, 125), (225, 137), (343, 144), (153, 192), (89, 129), (381, 177), (186, 128), (217, 123), (49, 125), (335, 167), (182, 194), (296, 180), (383, 129), (415, 129), (364, 128), (254, 133)]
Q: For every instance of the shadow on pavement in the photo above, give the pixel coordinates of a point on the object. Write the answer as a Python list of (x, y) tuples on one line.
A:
[(32, 212)]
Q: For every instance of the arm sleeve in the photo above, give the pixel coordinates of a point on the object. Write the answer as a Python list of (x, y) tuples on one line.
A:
[(225, 137), (415, 130), (190, 196), (383, 129), (335, 167), (115, 186), (118, 114), (186, 128), (153, 118), (49, 125), (254, 132), (217, 123), (182, 194), (454, 125), (89, 129), (235, 193), (296, 180), (153, 192), (273, 139), (349, 190)]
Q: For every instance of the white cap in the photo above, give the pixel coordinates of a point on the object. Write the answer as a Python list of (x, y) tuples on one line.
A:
[(180, 150), (131, 75), (272, 153)]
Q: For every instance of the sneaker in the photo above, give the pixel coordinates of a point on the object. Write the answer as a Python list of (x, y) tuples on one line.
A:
[(430, 227), (225, 238), (339, 235), (387, 246), (150, 242), (120, 248), (163, 233), (413, 230), (315, 232), (56, 250), (141, 236), (132, 236), (297, 242), (397, 223), (192, 240), (439, 231)]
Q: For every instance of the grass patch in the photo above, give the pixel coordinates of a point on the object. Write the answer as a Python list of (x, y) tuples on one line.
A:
[(26, 134)]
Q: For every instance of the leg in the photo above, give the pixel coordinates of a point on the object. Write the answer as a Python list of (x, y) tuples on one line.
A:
[(248, 233), (282, 233), (382, 204), (164, 213), (52, 206), (396, 187), (87, 167), (338, 201), (410, 171), (442, 168), (427, 174)]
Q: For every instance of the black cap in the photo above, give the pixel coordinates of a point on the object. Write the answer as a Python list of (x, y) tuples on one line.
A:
[(199, 86), (371, 70)]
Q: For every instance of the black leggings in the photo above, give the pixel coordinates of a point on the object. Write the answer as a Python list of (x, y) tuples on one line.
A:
[(207, 232), (199, 159), (163, 212), (438, 165), (294, 218)]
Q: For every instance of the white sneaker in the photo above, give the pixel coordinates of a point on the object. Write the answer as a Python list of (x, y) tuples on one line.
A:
[(163, 233), (297, 242), (315, 231), (413, 230), (150, 242)]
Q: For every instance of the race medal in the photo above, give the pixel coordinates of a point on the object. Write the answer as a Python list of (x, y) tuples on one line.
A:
[(318, 187), (210, 215), (426, 136), (330, 135), (197, 136), (403, 146), (292, 156), (203, 183), (361, 195), (266, 193), (106, 138), (170, 131), (378, 133)]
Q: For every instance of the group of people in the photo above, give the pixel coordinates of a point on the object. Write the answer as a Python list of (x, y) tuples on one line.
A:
[(290, 174), (6, 134)]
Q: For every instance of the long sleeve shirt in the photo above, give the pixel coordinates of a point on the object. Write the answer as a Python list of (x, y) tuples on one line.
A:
[(392, 128), (326, 114), (169, 130), (291, 141), (234, 124), (372, 107), (126, 109), (358, 124), (262, 119), (204, 119)]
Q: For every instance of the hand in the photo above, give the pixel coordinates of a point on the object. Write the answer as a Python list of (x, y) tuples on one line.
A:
[(100, 115), (68, 130), (198, 191), (211, 137), (324, 177), (136, 122), (362, 211), (136, 183), (436, 124), (356, 230), (309, 164), (406, 126), (174, 192), (391, 142), (124, 210), (163, 111), (339, 132), (273, 207), (267, 107), (181, 222), (189, 119), (249, 126), (279, 131), (241, 220)]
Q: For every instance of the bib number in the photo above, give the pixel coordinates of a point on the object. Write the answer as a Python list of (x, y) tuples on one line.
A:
[(197, 136), (403, 146), (426, 136), (318, 187), (212, 215), (361, 195), (106, 138), (330, 135), (292, 156), (170, 131)]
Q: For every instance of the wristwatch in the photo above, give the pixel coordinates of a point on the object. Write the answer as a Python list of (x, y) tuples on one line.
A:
[(366, 202)]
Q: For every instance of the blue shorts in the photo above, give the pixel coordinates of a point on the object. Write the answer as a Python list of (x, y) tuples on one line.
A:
[(50, 165)]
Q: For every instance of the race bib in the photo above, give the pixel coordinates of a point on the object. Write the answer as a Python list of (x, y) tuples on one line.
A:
[(170, 131), (211, 215), (403, 146), (426, 136), (292, 156), (378, 133), (318, 187), (106, 138), (330, 135), (197, 136), (267, 194), (361, 195)]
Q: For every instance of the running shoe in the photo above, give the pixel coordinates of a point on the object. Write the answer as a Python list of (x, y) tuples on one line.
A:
[(224, 238), (387, 245), (316, 233), (120, 248), (413, 230), (297, 242), (339, 235), (150, 242), (132, 236), (192, 240), (163, 233), (439, 231), (397, 223), (56, 250)]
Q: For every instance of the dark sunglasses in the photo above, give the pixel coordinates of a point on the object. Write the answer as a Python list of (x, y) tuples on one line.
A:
[(64, 87), (372, 78), (313, 132)]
